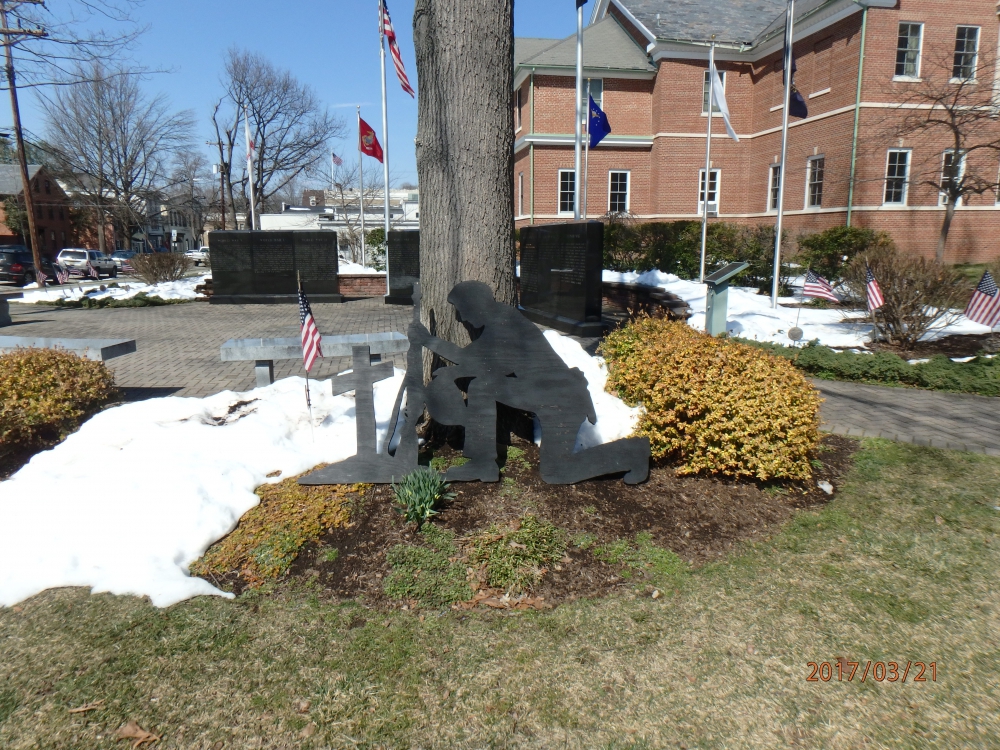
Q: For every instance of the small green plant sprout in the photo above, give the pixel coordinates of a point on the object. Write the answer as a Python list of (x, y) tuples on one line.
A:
[(418, 492)]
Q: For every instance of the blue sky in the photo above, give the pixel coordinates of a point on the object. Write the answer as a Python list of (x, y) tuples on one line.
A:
[(330, 44)]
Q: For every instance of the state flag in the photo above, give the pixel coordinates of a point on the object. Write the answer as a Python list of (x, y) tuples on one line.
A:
[(368, 141), (598, 126)]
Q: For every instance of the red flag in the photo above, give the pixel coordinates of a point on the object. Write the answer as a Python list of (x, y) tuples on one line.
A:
[(368, 141)]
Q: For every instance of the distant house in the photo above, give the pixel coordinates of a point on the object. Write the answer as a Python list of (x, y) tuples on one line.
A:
[(52, 218)]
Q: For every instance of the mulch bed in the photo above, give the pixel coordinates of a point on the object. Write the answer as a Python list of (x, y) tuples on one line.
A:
[(957, 345), (700, 519)]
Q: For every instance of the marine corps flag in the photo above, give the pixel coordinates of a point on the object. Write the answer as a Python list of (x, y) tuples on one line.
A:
[(368, 141)]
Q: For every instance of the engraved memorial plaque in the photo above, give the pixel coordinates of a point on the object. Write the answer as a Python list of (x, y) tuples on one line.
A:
[(403, 259)]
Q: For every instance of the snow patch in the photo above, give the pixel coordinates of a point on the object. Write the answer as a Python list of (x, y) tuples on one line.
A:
[(169, 290)]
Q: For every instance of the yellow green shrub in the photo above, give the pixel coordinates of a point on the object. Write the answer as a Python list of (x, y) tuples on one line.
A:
[(45, 394), (715, 406), (268, 538)]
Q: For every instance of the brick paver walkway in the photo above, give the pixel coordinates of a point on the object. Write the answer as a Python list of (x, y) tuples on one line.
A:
[(178, 345), (178, 353)]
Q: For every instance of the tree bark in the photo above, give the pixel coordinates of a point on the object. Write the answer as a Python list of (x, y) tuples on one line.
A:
[(949, 214), (465, 153)]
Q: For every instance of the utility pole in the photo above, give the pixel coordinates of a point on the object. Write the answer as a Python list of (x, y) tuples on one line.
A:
[(9, 38)]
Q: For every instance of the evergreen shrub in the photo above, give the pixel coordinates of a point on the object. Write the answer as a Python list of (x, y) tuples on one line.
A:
[(47, 393), (828, 252), (715, 406)]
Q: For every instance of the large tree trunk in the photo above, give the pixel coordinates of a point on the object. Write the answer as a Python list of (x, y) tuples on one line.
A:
[(465, 152), (949, 214)]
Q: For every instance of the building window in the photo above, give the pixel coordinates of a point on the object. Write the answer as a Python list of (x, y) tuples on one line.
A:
[(713, 190), (705, 93), (48, 191), (618, 192), (567, 190), (518, 108), (596, 93), (908, 50), (814, 182), (966, 51), (520, 193), (774, 184), (896, 177), (62, 215), (952, 171), (52, 213)]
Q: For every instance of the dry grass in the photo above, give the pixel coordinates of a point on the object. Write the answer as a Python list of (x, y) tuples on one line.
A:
[(901, 566)]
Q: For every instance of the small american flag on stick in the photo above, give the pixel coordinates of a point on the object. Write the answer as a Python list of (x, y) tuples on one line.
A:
[(875, 298), (62, 275), (385, 28), (311, 339), (984, 307), (91, 271), (816, 286)]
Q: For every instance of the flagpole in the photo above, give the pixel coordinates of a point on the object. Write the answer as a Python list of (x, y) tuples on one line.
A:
[(789, 39), (361, 194), (586, 158), (579, 110), (253, 207), (385, 139), (708, 157)]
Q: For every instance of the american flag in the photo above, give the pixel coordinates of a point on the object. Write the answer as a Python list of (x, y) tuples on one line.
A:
[(42, 278), (336, 159), (984, 307), (310, 333), (875, 299), (91, 271), (816, 286), (385, 29), (62, 275), (127, 267)]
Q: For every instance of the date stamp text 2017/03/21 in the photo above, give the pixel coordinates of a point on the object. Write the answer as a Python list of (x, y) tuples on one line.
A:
[(842, 670)]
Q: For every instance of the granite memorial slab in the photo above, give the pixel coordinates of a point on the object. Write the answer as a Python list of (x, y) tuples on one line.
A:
[(560, 281), (263, 266), (403, 260), (98, 350)]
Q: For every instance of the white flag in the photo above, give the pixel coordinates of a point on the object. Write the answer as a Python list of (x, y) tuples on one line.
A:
[(720, 101)]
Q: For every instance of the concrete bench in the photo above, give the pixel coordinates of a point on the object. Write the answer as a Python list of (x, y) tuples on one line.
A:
[(5, 307), (263, 352), (98, 350)]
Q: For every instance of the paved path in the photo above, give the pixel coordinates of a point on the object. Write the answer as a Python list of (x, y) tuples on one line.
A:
[(942, 420), (178, 354)]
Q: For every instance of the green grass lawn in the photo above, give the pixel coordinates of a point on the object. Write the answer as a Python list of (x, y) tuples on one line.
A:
[(903, 565)]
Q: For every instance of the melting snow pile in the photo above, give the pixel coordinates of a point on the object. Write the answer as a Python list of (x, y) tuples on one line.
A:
[(183, 289), (348, 267), (751, 316), (129, 501)]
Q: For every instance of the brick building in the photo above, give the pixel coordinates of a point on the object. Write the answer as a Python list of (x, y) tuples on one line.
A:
[(52, 208), (647, 64)]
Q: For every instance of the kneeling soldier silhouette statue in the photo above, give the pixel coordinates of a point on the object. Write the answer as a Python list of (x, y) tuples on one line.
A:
[(508, 362)]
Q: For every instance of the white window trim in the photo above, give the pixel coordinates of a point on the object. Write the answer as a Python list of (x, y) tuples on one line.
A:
[(517, 111), (770, 177), (906, 181), (809, 166), (718, 189), (559, 182), (722, 74), (942, 198), (975, 59), (520, 193), (920, 53), (628, 188)]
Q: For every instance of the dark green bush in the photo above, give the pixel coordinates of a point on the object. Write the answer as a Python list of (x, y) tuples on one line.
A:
[(139, 300), (981, 375), (675, 247), (829, 251)]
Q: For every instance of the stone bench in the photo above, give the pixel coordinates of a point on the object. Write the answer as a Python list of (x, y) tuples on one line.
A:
[(5, 306), (98, 350), (263, 352)]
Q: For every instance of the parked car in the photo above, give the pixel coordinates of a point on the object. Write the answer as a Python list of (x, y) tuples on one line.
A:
[(199, 256), (76, 260), (120, 256), (18, 265)]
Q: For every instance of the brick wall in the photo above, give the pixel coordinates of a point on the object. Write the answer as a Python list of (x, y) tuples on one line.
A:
[(362, 285), (664, 178)]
